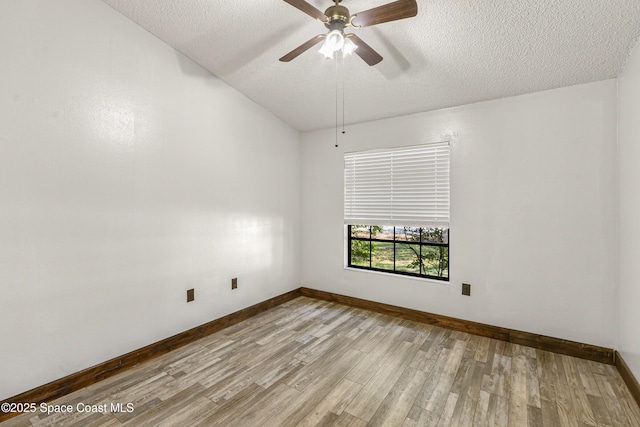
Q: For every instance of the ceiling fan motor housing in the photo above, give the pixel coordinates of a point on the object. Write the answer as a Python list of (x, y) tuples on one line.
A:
[(338, 17)]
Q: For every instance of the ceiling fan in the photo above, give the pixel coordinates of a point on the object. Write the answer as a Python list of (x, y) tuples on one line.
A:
[(336, 18)]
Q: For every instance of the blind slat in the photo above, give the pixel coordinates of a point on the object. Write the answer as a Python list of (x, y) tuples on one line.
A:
[(407, 186)]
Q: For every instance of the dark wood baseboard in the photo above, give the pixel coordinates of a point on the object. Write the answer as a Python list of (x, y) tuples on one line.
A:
[(627, 376), (542, 342), (78, 380), (410, 314)]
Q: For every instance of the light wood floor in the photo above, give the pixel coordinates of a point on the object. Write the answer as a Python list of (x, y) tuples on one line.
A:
[(311, 362)]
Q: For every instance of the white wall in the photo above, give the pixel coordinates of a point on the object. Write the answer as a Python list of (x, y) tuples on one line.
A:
[(533, 212), (629, 160), (128, 175)]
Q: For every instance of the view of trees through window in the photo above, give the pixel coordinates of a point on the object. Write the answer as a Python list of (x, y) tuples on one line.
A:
[(412, 251)]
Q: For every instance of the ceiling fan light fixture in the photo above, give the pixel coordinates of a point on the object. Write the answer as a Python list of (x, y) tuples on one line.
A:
[(334, 40), (348, 48), (327, 52)]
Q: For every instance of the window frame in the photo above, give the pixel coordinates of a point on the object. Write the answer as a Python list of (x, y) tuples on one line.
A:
[(395, 241)]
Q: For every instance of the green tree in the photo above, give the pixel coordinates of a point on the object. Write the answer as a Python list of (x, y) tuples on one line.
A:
[(360, 250), (433, 257)]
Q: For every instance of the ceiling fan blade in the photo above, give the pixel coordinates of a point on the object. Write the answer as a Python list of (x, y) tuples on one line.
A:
[(365, 51), (308, 9), (400, 9), (303, 47)]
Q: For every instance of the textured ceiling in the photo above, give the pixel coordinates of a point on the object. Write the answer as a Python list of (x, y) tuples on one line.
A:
[(454, 52)]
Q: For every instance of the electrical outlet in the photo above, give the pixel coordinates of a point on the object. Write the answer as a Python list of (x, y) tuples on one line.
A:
[(466, 289), (190, 295), (234, 283)]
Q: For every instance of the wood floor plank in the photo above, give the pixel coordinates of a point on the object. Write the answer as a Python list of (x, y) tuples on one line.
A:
[(229, 408), (447, 411), (518, 391), (463, 374), (374, 391), (375, 356), (335, 402), (329, 419), (491, 352), (629, 407), (586, 378), (504, 348), (189, 414), (171, 406), (471, 347), (108, 422), (347, 420), (469, 396), (224, 375), (424, 419), (499, 380), (614, 406), (482, 350), (436, 402), (422, 333), (600, 411), (309, 362), (271, 405), (320, 386), (546, 374), (498, 413), (430, 350), (534, 417), (480, 417), (550, 415), (578, 394), (337, 358), (533, 383), (399, 401), (567, 411)]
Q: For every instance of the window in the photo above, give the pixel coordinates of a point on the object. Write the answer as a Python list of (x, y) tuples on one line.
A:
[(413, 251), (397, 210)]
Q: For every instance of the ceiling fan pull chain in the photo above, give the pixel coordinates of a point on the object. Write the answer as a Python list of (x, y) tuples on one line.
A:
[(343, 102), (335, 55)]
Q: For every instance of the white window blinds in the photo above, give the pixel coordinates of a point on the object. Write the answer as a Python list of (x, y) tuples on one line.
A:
[(406, 186)]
